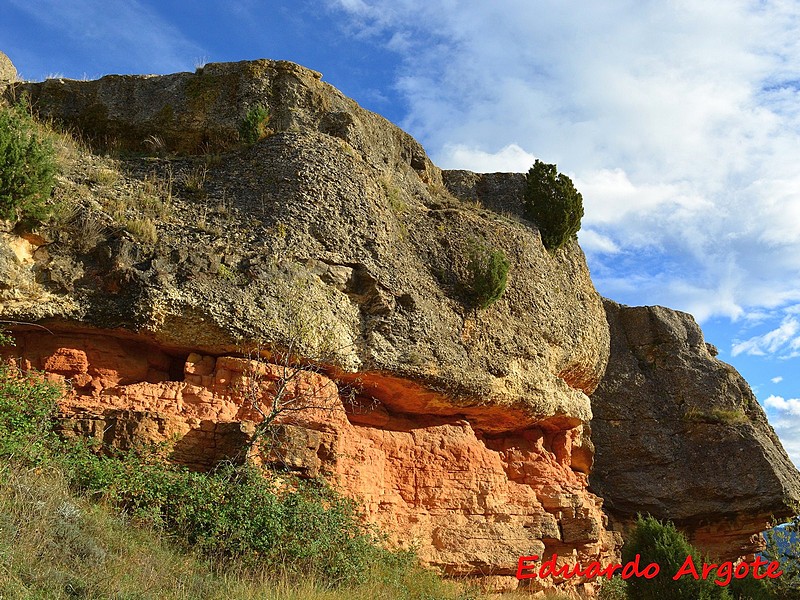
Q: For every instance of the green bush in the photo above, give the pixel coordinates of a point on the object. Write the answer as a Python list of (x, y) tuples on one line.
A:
[(236, 513), (614, 589), (553, 203), (254, 125), (27, 407), (27, 166), (783, 545), (667, 547), (489, 275)]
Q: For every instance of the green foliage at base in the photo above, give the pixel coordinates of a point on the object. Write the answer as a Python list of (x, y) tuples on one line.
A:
[(664, 545), (615, 588), (489, 275), (27, 166), (254, 125), (553, 203), (27, 407), (237, 532), (783, 545), (236, 512)]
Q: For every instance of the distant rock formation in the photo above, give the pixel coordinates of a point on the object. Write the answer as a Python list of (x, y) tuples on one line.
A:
[(679, 434), (8, 73)]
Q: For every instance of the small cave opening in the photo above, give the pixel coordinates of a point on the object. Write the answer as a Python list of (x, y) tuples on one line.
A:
[(176, 365)]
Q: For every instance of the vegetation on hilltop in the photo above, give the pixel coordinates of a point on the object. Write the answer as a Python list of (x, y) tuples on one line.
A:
[(553, 203), (27, 166)]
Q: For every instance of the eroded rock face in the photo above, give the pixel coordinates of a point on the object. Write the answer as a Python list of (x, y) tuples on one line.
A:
[(680, 435), (8, 73), (473, 501), (336, 222), (333, 237)]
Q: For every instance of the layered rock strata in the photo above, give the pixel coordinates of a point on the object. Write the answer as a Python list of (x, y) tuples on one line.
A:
[(471, 498), (335, 240), (679, 435)]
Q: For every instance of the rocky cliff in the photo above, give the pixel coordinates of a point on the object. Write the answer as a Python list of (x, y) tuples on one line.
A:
[(188, 273), (680, 435), (333, 241)]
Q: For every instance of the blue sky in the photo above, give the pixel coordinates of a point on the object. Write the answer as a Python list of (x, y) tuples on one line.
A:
[(678, 121)]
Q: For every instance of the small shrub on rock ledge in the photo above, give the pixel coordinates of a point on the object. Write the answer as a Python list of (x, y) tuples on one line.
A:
[(552, 202), (27, 166), (254, 125), (489, 270)]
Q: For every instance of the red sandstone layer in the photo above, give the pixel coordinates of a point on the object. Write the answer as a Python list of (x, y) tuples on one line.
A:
[(471, 498)]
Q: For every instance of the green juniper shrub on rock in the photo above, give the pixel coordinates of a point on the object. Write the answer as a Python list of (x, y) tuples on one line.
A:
[(489, 275), (27, 166), (552, 202), (254, 125), (664, 545)]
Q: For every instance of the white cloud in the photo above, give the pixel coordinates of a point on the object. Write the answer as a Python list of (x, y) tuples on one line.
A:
[(788, 430), (777, 379), (679, 123), (790, 406), (593, 242), (783, 415), (784, 340), (511, 159)]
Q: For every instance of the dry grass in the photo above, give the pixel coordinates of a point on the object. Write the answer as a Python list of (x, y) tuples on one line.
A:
[(57, 546), (53, 545), (715, 415), (144, 230)]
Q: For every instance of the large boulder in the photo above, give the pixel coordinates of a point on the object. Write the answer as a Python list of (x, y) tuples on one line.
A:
[(679, 435), (333, 238)]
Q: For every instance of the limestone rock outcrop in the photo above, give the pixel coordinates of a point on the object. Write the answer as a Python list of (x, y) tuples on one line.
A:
[(8, 73), (679, 434), (347, 226), (333, 239)]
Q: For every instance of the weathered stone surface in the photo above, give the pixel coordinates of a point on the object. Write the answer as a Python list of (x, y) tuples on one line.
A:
[(336, 223), (680, 435), (471, 501), (201, 112), (8, 73), (501, 192)]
